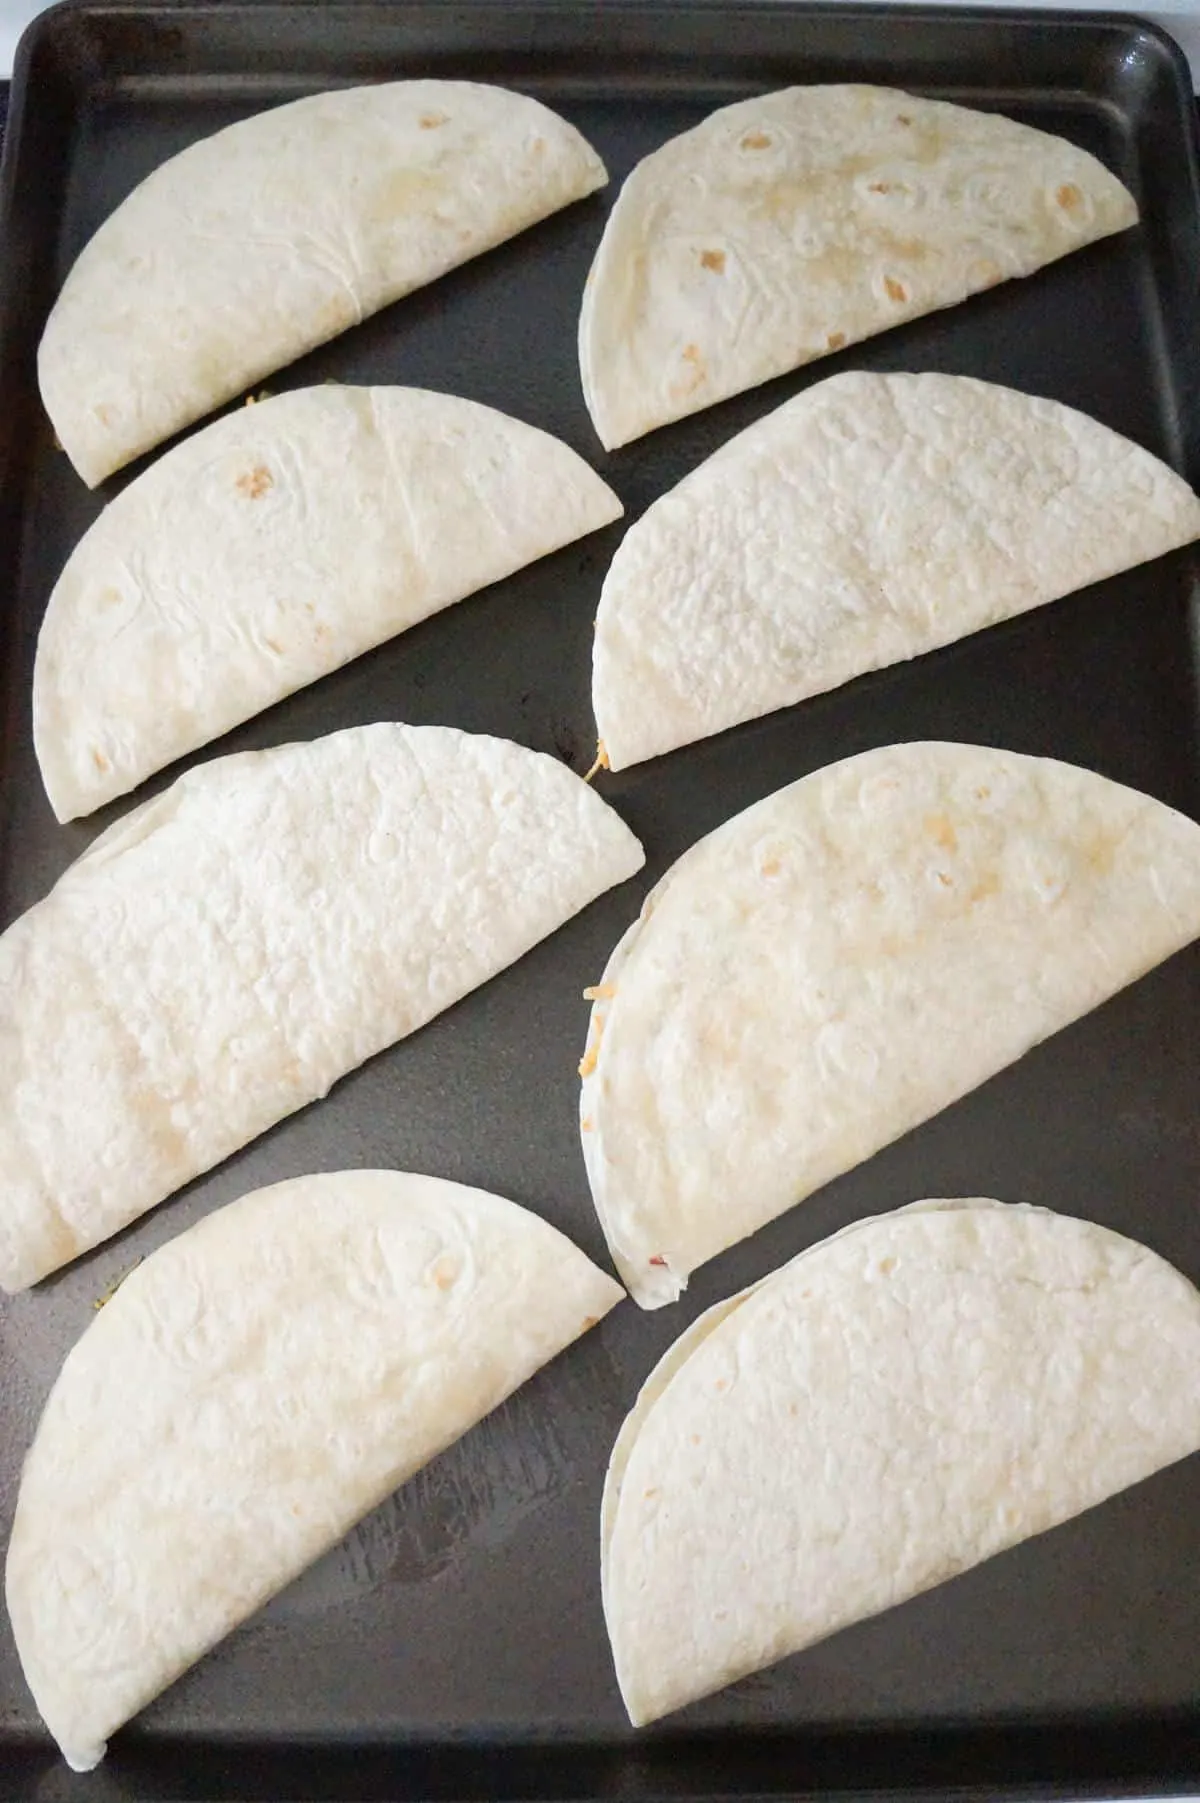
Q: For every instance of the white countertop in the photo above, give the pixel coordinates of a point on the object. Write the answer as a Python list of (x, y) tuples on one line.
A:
[(1180, 17)]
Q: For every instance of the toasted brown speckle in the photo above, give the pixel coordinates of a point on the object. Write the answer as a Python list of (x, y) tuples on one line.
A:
[(895, 290), (941, 830), (1068, 197), (756, 140), (835, 341), (255, 483), (714, 260), (431, 121)]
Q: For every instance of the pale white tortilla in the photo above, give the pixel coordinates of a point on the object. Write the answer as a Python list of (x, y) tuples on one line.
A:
[(249, 1393), (258, 243), (786, 227), (842, 960), (897, 1404), (224, 954), (870, 519), (272, 547)]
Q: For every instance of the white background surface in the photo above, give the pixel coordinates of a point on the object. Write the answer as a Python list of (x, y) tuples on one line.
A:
[(1180, 17)]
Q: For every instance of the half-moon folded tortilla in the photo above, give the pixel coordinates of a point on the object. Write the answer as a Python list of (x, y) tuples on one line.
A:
[(248, 1394), (843, 960), (256, 244), (871, 518), (272, 547), (788, 226), (226, 952), (895, 1405)]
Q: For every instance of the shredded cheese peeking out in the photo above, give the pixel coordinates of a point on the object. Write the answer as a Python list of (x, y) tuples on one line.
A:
[(600, 992), (587, 1063), (117, 1281), (601, 762)]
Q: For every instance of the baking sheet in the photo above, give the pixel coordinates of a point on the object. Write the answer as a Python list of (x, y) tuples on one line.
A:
[(454, 1645)]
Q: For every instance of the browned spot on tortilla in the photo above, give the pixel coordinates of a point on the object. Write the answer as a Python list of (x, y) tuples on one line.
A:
[(722, 1383), (273, 645), (99, 759), (879, 187), (1068, 196), (109, 597), (895, 290), (320, 631), (770, 867), (942, 832), (431, 121), (538, 147), (947, 882), (887, 1265), (695, 1439), (1100, 855), (903, 119), (984, 274), (696, 374), (756, 140), (587, 1124), (987, 885), (255, 483), (714, 260), (103, 413), (835, 341)]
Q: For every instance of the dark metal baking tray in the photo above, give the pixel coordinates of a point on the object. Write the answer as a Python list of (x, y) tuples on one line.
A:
[(454, 1645)]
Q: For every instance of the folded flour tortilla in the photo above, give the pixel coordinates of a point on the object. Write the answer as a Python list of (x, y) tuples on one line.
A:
[(226, 952), (785, 227), (892, 1407), (870, 519), (842, 960), (272, 547), (249, 1393), (265, 239)]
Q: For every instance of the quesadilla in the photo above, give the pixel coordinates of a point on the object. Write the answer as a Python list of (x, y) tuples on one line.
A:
[(870, 519), (785, 227), (832, 1442), (226, 952), (272, 547), (844, 959), (247, 1395), (262, 241)]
